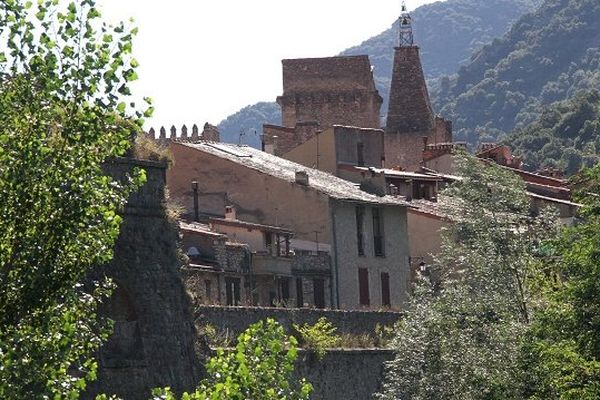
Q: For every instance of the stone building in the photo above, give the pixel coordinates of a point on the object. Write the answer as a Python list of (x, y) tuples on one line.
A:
[(365, 235), (340, 146), (322, 92), (410, 119), (319, 93), (218, 271), (234, 262)]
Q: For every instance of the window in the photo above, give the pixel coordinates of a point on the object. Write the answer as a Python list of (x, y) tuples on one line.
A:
[(363, 287), (284, 289), (385, 289), (360, 154), (319, 292), (269, 242), (278, 245), (207, 288), (378, 239), (232, 291), (299, 293), (360, 212)]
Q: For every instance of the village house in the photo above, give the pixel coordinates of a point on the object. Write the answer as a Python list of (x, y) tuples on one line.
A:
[(364, 235), (233, 263), (219, 270)]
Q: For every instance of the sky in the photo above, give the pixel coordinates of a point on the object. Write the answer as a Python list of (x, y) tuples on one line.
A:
[(203, 60)]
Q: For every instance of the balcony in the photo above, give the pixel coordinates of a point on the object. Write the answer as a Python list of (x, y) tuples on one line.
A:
[(307, 262), (266, 264)]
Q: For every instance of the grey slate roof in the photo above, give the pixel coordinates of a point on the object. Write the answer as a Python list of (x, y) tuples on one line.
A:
[(330, 185)]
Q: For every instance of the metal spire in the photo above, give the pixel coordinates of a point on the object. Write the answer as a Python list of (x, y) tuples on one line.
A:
[(405, 22)]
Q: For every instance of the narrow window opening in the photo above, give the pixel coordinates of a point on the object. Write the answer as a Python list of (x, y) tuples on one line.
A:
[(363, 287), (360, 212), (385, 290), (360, 154), (378, 238)]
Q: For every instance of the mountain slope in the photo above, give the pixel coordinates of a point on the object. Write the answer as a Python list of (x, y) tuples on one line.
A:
[(547, 56), (245, 126), (447, 33), (566, 136)]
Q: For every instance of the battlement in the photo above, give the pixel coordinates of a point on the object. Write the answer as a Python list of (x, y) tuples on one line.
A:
[(210, 133)]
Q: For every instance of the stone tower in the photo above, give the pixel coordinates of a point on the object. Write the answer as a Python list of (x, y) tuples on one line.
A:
[(332, 90), (411, 121), (319, 93)]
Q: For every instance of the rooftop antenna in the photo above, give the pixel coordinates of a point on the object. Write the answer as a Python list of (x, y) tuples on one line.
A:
[(405, 22)]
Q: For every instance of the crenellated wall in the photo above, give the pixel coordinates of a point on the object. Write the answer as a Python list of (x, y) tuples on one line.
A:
[(209, 133)]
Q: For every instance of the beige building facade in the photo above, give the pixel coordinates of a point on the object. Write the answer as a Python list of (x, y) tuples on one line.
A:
[(365, 235)]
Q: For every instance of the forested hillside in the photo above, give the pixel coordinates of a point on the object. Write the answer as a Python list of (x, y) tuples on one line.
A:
[(566, 136), (547, 56), (448, 32)]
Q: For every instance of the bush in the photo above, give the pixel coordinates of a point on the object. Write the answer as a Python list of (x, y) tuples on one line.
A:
[(318, 337)]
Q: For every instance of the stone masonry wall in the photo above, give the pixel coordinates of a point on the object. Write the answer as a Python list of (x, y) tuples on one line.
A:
[(333, 90), (344, 374), (237, 319), (153, 344)]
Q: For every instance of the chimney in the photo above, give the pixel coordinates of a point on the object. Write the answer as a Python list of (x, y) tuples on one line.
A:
[(302, 178), (425, 141), (230, 213)]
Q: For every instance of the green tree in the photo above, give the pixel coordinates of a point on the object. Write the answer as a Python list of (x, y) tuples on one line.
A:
[(260, 367), (63, 78), (562, 355), (461, 334)]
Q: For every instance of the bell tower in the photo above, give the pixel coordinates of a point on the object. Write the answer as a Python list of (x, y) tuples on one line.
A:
[(409, 109), (411, 122), (405, 23)]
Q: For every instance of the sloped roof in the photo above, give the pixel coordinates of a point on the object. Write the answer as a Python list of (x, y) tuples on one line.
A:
[(197, 227), (246, 224), (430, 208), (280, 168)]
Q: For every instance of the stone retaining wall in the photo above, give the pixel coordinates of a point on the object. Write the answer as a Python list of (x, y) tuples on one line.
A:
[(344, 374), (237, 319)]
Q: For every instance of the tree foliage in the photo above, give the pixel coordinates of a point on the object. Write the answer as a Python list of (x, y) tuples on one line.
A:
[(461, 335), (562, 354), (566, 136), (260, 367), (63, 78)]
